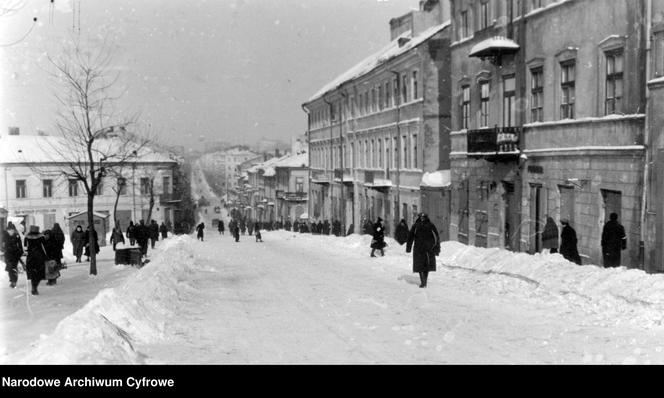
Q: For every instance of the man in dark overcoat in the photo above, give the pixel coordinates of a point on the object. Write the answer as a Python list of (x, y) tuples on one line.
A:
[(13, 249), (35, 263), (378, 241), (424, 241), (613, 241), (568, 243)]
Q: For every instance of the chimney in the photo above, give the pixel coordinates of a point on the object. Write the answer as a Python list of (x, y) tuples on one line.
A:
[(13, 131)]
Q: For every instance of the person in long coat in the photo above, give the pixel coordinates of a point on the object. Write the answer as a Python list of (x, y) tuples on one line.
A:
[(613, 241), (78, 242), (117, 237), (154, 232), (326, 228), (200, 228), (52, 252), (13, 249), (243, 226), (164, 230), (336, 228), (424, 241), (401, 232), (287, 225), (94, 244), (378, 241), (131, 233), (221, 227), (59, 238), (319, 227), (35, 263), (568, 243), (550, 235)]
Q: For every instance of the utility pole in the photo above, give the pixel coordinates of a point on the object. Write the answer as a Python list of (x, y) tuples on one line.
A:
[(397, 99)]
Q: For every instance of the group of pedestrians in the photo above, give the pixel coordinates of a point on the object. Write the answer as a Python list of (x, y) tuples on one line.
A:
[(43, 253), (613, 241), (142, 234)]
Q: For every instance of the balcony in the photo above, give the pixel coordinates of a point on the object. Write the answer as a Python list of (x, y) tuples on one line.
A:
[(498, 144), (343, 175), (168, 198), (320, 177)]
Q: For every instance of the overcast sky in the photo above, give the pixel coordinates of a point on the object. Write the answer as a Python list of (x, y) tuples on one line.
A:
[(196, 70)]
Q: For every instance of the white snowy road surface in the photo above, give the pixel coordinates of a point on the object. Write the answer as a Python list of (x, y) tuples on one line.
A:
[(300, 298)]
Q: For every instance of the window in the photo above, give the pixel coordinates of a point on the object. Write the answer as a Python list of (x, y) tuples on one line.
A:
[(614, 82), (73, 187), (373, 99), (509, 96), (484, 15), (567, 81), (372, 154), (414, 85), (465, 27), (404, 151), (395, 152), (166, 184), (20, 189), (465, 107), (299, 184), (145, 186), (484, 104), (380, 153), (404, 88), (366, 102), (47, 188), (366, 153), (395, 88), (352, 155), (413, 146), (380, 97), (388, 95), (536, 95), (387, 153)]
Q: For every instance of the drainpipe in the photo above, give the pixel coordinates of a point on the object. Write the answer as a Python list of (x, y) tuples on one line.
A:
[(397, 212), (646, 140), (308, 134)]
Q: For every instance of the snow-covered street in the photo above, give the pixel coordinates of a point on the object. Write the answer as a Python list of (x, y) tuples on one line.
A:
[(301, 298)]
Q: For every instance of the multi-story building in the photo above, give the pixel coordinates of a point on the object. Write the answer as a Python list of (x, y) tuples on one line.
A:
[(292, 178), (33, 186), (378, 127), (549, 120)]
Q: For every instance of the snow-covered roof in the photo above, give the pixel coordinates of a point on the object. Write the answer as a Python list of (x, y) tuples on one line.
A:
[(495, 43), (265, 165), (299, 160), (55, 149), (269, 171), (389, 52), (437, 179)]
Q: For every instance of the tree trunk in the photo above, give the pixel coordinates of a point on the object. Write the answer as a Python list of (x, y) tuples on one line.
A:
[(115, 207), (91, 223), (151, 187)]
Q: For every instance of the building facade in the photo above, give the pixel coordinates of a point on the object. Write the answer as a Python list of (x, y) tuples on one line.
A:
[(33, 187), (549, 120), (376, 129)]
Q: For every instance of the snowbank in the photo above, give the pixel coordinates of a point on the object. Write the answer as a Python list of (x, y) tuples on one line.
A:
[(612, 295), (107, 329)]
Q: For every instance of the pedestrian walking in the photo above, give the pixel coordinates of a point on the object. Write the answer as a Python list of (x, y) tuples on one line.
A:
[(401, 232), (613, 241), (131, 233), (117, 237), (13, 249), (36, 258), (378, 241), (163, 229), (243, 226), (550, 236), (287, 225), (200, 228), (142, 235), (568, 243), (59, 237), (220, 227), (94, 244), (78, 242), (326, 228), (154, 232), (257, 232), (52, 248), (424, 242)]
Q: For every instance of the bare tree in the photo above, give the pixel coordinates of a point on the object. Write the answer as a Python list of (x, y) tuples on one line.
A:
[(95, 139)]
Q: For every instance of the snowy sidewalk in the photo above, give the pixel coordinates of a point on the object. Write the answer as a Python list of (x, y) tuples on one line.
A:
[(301, 298)]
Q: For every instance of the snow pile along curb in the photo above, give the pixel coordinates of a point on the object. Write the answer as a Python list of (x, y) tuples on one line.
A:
[(107, 328), (609, 291)]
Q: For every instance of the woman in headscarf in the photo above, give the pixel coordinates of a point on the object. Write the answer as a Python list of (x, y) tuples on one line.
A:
[(550, 235)]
